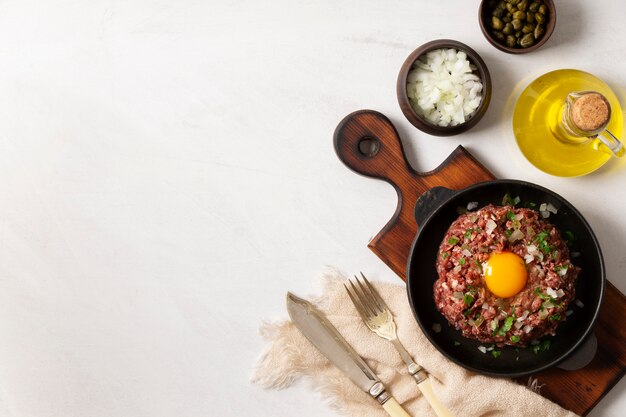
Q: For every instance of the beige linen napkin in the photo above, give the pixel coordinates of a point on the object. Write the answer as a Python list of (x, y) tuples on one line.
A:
[(466, 394)]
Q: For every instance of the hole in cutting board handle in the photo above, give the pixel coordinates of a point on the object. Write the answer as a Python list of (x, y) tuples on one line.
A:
[(368, 143), (369, 147)]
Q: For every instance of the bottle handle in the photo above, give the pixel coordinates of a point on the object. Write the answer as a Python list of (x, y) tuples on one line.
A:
[(614, 145)]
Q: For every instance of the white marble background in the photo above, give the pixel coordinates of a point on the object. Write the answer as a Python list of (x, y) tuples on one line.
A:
[(167, 174)]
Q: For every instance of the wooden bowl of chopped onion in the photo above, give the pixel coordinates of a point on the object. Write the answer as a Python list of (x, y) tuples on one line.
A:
[(444, 87)]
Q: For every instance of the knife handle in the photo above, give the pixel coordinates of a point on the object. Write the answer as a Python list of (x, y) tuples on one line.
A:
[(394, 409), (427, 391)]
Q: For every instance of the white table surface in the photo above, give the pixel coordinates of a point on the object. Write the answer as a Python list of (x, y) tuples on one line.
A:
[(167, 174)]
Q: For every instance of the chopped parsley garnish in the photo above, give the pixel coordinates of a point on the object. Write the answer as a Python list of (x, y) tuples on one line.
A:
[(559, 268), (543, 245), (496, 353), (510, 215), (541, 347), (462, 261), (508, 232), (508, 201), (468, 299), (453, 240), (515, 338), (555, 317), (508, 323), (545, 297), (444, 255), (569, 236), (468, 233), (471, 289), (477, 263)]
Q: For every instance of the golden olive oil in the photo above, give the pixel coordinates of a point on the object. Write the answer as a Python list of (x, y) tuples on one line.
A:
[(538, 125)]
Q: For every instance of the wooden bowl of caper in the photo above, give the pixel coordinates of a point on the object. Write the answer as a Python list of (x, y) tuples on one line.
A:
[(517, 26)]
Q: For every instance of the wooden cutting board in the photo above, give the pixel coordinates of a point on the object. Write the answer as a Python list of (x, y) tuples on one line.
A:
[(368, 143)]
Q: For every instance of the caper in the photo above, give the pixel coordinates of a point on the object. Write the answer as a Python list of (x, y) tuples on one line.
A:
[(540, 17), (534, 7), (518, 34), (496, 23), (498, 12), (510, 8), (499, 35), (527, 40), (513, 1), (510, 41), (539, 31), (543, 9), (528, 28), (508, 29), (523, 5), (530, 17), (519, 15), (517, 24)]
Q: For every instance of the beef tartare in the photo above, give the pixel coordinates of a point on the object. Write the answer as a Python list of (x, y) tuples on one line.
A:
[(526, 299)]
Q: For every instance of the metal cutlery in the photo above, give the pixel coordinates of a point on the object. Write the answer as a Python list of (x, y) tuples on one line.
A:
[(378, 318), (325, 337)]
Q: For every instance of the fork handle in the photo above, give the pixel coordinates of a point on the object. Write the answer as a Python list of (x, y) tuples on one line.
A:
[(394, 409), (427, 391)]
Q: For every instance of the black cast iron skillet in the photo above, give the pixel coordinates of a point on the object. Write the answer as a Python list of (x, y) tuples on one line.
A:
[(435, 211)]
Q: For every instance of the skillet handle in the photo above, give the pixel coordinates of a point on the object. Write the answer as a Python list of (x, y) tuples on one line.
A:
[(430, 201)]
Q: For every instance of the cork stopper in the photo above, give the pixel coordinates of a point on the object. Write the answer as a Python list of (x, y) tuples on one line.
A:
[(590, 112)]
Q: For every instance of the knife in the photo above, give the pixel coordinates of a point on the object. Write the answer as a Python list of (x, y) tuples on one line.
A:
[(325, 337)]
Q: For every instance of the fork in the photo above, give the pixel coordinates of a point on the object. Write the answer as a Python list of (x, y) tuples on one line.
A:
[(377, 316)]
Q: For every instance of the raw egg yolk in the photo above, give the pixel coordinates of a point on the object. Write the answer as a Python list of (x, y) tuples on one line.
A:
[(505, 274)]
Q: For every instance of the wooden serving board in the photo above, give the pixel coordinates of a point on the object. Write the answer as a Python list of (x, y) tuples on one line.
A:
[(368, 143)]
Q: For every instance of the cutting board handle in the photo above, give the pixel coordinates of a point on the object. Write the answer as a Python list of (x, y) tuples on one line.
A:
[(368, 143)]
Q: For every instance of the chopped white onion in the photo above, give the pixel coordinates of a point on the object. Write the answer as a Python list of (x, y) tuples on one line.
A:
[(518, 325), (527, 328), (442, 87), (560, 293), (457, 269), (490, 348), (544, 213), (551, 292), (482, 349), (579, 303), (466, 252), (528, 258), (516, 235), (490, 226), (436, 327), (519, 216), (543, 207), (493, 325), (569, 313), (457, 295), (472, 205), (485, 305), (532, 249), (563, 271), (523, 316), (551, 208)]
